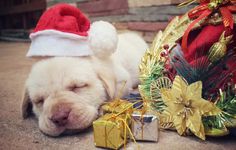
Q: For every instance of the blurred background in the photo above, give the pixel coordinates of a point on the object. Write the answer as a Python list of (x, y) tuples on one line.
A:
[(19, 17)]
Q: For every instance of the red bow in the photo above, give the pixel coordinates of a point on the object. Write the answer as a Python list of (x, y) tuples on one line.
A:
[(203, 10)]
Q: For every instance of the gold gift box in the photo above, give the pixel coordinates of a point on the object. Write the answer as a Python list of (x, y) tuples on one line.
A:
[(109, 132), (117, 106), (145, 127)]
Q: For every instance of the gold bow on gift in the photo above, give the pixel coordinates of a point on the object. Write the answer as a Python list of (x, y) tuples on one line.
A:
[(118, 106), (206, 7)]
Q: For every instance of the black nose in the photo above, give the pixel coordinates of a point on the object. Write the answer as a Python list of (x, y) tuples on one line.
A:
[(60, 118)]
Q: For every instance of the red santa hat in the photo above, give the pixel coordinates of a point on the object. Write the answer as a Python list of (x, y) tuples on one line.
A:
[(64, 30)]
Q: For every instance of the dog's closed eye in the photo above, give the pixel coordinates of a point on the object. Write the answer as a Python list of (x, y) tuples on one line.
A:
[(77, 87), (39, 101)]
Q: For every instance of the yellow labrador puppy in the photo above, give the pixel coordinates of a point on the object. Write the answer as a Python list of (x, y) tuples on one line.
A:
[(66, 92)]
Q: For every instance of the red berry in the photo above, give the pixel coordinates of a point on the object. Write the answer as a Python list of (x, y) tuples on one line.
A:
[(166, 47), (163, 53)]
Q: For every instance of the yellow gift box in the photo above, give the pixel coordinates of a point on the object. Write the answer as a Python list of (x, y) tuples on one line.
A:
[(109, 131), (117, 106)]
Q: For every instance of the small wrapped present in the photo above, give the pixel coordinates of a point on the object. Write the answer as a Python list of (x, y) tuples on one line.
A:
[(145, 127), (117, 106), (109, 131)]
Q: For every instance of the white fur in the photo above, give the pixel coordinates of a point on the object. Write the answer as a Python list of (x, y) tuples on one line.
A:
[(57, 43), (103, 38), (97, 79)]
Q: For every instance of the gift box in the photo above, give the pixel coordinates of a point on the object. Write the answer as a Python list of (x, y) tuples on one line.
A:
[(109, 131), (117, 106), (145, 127)]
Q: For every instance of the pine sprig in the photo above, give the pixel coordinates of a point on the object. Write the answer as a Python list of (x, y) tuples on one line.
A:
[(155, 73), (202, 70), (227, 104)]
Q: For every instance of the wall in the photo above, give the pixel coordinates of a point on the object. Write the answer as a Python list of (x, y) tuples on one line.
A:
[(143, 16), (17, 17)]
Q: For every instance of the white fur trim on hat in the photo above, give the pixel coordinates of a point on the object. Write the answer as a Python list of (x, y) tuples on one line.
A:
[(103, 39), (57, 43)]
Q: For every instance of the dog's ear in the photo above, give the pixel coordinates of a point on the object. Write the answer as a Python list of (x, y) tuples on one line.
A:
[(108, 81), (26, 105)]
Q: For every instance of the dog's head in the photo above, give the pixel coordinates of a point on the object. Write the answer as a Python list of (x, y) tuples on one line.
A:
[(65, 93)]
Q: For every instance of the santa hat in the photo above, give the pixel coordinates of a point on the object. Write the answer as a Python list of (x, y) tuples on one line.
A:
[(63, 30)]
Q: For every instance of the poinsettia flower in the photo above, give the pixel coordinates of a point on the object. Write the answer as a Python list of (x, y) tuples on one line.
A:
[(185, 104)]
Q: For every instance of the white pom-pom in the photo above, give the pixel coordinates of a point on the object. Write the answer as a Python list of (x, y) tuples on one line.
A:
[(103, 39)]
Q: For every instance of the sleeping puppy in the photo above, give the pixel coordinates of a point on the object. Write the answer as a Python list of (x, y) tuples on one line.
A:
[(66, 92)]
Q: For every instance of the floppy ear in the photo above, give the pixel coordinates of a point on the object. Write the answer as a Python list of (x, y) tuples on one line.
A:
[(108, 81), (26, 105)]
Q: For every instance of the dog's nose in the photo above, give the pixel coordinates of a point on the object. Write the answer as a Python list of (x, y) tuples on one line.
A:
[(60, 118)]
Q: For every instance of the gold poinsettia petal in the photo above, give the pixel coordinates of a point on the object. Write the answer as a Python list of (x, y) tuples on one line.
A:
[(169, 99), (180, 124), (201, 133), (179, 86), (194, 121), (205, 107), (195, 90)]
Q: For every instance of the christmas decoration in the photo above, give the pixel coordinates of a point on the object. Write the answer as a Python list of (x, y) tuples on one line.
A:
[(189, 72), (109, 131), (63, 30), (114, 125), (121, 117), (218, 49), (117, 106), (145, 127), (185, 103)]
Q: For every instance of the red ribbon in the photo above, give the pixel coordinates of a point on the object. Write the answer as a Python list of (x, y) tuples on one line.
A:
[(202, 11), (226, 12)]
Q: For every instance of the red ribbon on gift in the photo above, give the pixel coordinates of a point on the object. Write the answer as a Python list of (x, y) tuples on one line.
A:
[(203, 10)]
